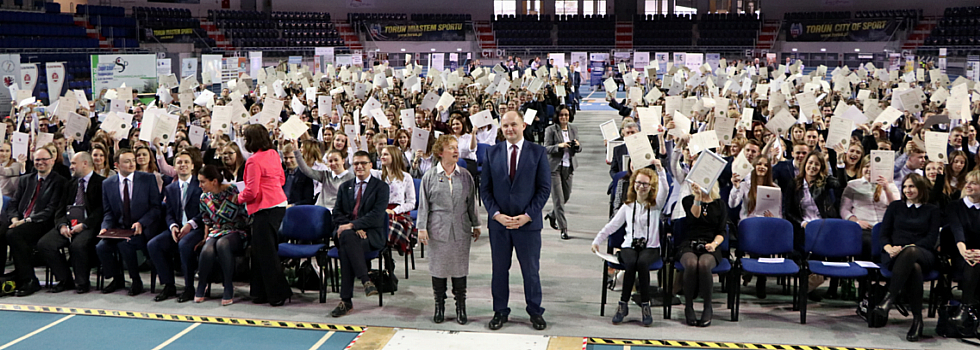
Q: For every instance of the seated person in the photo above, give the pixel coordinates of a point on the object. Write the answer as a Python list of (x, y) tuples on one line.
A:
[(225, 222), (183, 214)]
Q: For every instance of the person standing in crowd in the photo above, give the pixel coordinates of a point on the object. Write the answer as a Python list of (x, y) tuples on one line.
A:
[(225, 222), (561, 141), (182, 204), (446, 222), (908, 234), (76, 228), (266, 203), (514, 192), (132, 202), (641, 244), (359, 220)]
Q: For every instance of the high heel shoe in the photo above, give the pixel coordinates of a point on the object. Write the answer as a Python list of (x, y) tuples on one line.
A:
[(706, 316), (881, 311), (916, 331), (690, 316)]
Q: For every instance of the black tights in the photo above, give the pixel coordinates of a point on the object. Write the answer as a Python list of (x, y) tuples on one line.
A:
[(907, 274), (971, 275), (222, 249), (697, 277), (637, 263)]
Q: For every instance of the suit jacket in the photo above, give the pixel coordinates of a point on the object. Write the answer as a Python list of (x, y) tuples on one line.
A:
[(46, 206), (301, 191), (552, 137), (144, 205), (529, 191), (192, 208), (616, 165), (371, 214), (93, 202)]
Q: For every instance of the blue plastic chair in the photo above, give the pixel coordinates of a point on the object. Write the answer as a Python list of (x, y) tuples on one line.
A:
[(481, 156), (830, 238), (723, 268), (334, 255), (616, 241), (309, 227), (930, 276), (764, 237)]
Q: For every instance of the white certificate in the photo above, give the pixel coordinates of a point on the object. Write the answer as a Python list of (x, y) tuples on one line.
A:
[(297, 106), (888, 116), (205, 98), (706, 170), (293, 128), (221, 119), (746, 120), (636, 94), (808, 105), (882, 164), (445, 101), (840, 132), (638, 146), (371, 104), (653, 95), (704, 140), (910, 101), (535, 85), (609, 129), (407, 118), (19, 143), (768, 199), (76, 126), (324, 105), (430, 100), (420, 139), (682, 125), (529, 115), (481, 119), (936, 146), (272, 106), (44, 138), (164, 128), (610, 85), (118, 122), (725, 128), (380, 117), (855, 114), (741, 166), (781, 123), (650, 118)]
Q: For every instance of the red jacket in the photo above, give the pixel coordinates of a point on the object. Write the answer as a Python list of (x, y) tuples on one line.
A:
[(264, 179)]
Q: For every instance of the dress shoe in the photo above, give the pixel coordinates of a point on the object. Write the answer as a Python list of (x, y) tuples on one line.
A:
[(916, 331), (83, 288), (28, 288), (169, 291), (551, 220), (621, 312), (706, 315), (341, 309), (884, 307), (113, 286), (497, 321), (280, 302), (690, 317), (370, 289), (564, 234), (135, 289), (62, 286), (537, 321), (186, 296)]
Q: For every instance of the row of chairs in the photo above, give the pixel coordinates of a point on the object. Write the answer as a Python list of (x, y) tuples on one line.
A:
[(107, 21), (662, 17), (286, 42), (360, 17), (172, 23), (586, 34), (300, 16), (953, 40), (44, 43), (142, 13), (611, 26), (742, 34), (733, 41), (305, 25), (729, 17), (523, 33), (96, 10), (663, 25), (584, 18), (497, 26), (251, 33), (440, 17), (729, 25), (215, 15), (34, 30), (522, 18), (303, 34), (792, 16), (579, 41), (971, 11), (7, 17), (245, 24), (909, 13)]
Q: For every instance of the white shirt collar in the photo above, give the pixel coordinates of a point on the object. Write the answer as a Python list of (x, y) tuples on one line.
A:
[(970, 204), (88, 176), (519, 144), (359, 181), (441, 170), (130, 177), (341, 174), (910, 204)]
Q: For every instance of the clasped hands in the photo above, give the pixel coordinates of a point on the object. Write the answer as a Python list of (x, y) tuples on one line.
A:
[(972, 256), (68, 232), (345, 227), (894, 250), (512, 222)]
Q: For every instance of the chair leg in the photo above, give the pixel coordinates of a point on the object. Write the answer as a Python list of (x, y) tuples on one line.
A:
[(423, 252), (323, 284), (804, 276), (381, 280), (932, 299), (605, 279), (406, 264), (668, 293), (413, 258)]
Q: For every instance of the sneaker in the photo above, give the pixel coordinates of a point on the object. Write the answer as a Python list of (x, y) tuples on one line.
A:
[(647, 315), (341, 309), (621, 312), (370, 289)]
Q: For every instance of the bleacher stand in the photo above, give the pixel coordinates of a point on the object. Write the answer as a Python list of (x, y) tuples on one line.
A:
[(725, 29), (588, 30), (278, 29), (523, 30), (959, 26), (663, 30), (792, 16), (42, 30), (159, 18), (112, 23)]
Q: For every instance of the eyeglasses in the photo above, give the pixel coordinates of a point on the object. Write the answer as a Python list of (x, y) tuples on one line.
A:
[(228, 154), (41, 159), (361, 163), (642, 184)]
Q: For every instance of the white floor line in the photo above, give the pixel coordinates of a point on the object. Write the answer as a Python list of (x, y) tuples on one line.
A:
[(39, 330), (626, 347), (177, 336), (322, 340)]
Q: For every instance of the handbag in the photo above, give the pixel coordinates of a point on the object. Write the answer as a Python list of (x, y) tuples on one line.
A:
[(948, 327), (390, 281)]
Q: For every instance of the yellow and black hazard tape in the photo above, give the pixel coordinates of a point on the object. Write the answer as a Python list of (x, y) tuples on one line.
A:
[(716, 345), (183, 318)]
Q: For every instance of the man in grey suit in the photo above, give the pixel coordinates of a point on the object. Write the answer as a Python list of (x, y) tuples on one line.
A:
[(561, 142)]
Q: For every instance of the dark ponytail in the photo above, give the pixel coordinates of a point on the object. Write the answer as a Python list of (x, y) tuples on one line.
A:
[(216, 172)]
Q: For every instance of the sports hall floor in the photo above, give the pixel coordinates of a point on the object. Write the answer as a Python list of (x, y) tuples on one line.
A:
[(571, 278)]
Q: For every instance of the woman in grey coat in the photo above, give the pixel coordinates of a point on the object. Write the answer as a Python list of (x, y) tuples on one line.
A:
[(561, 141), (447, 219)]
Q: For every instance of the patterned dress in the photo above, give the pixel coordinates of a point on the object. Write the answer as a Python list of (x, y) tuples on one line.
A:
[(222, 213)]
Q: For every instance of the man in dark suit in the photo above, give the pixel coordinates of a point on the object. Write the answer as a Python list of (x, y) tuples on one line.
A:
[(76, 228), (616, 165), (359, 217), (30, 214), (515, 187), (131, 201), (183, 212)]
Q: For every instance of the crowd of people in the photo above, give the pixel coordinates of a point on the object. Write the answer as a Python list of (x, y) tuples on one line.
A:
[(196, 178)]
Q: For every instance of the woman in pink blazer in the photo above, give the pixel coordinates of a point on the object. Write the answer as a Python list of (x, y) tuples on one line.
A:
[(266, 203)]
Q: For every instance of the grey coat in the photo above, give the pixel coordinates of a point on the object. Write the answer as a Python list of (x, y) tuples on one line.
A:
[(552, 137), (449, 218)]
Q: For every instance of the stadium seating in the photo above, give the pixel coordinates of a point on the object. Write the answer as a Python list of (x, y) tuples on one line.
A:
[(728, 29), (575, 30), (159, 18), (958, 27), (522, 30), (42, 30), (663, 30), (790, 16), (277, 29), (112, 23)]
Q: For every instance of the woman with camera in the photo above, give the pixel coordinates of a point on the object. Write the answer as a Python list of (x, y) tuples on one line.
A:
[(641, 244), (704, 227), (908, 234), (561, 141), (964, 222)]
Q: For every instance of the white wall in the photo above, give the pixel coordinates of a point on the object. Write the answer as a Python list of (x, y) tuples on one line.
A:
[(479, 9), (775, 9)]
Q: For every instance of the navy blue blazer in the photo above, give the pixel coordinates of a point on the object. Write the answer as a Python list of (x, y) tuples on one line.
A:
[(529, 191), (193, 208), (144, 206)]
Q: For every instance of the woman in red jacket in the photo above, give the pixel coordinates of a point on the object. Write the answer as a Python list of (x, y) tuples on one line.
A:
[(265, 201)]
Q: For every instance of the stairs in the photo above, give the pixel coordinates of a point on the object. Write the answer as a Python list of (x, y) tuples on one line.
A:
[(624, 35), (918, 35), (214, 33), (484, 33), (93, 32), (348, 34), (768, 34)]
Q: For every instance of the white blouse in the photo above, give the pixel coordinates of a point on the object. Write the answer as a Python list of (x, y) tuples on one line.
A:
[(640, 220), (401, 192), (465, 152)]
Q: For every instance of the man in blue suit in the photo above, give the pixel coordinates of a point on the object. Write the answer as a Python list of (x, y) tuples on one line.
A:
[(131, 201), (183, 211), (514, 192)]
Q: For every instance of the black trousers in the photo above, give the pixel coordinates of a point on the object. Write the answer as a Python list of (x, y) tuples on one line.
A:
[(80, 246), (22, 240), (267, 280), (637, 263), (351, 248), (971, 275)]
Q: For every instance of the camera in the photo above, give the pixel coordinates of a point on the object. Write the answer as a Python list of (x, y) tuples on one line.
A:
[(698, 246), (639, 243)]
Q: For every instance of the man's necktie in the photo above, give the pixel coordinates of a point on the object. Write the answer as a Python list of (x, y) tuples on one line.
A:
[(127, 220), (513, 162), (357, 199), (80, 194), (37, 192), (183, 203)]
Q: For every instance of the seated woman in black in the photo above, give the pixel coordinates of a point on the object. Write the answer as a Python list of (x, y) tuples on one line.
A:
[(909, 232), (704, 226), (963, 217)]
